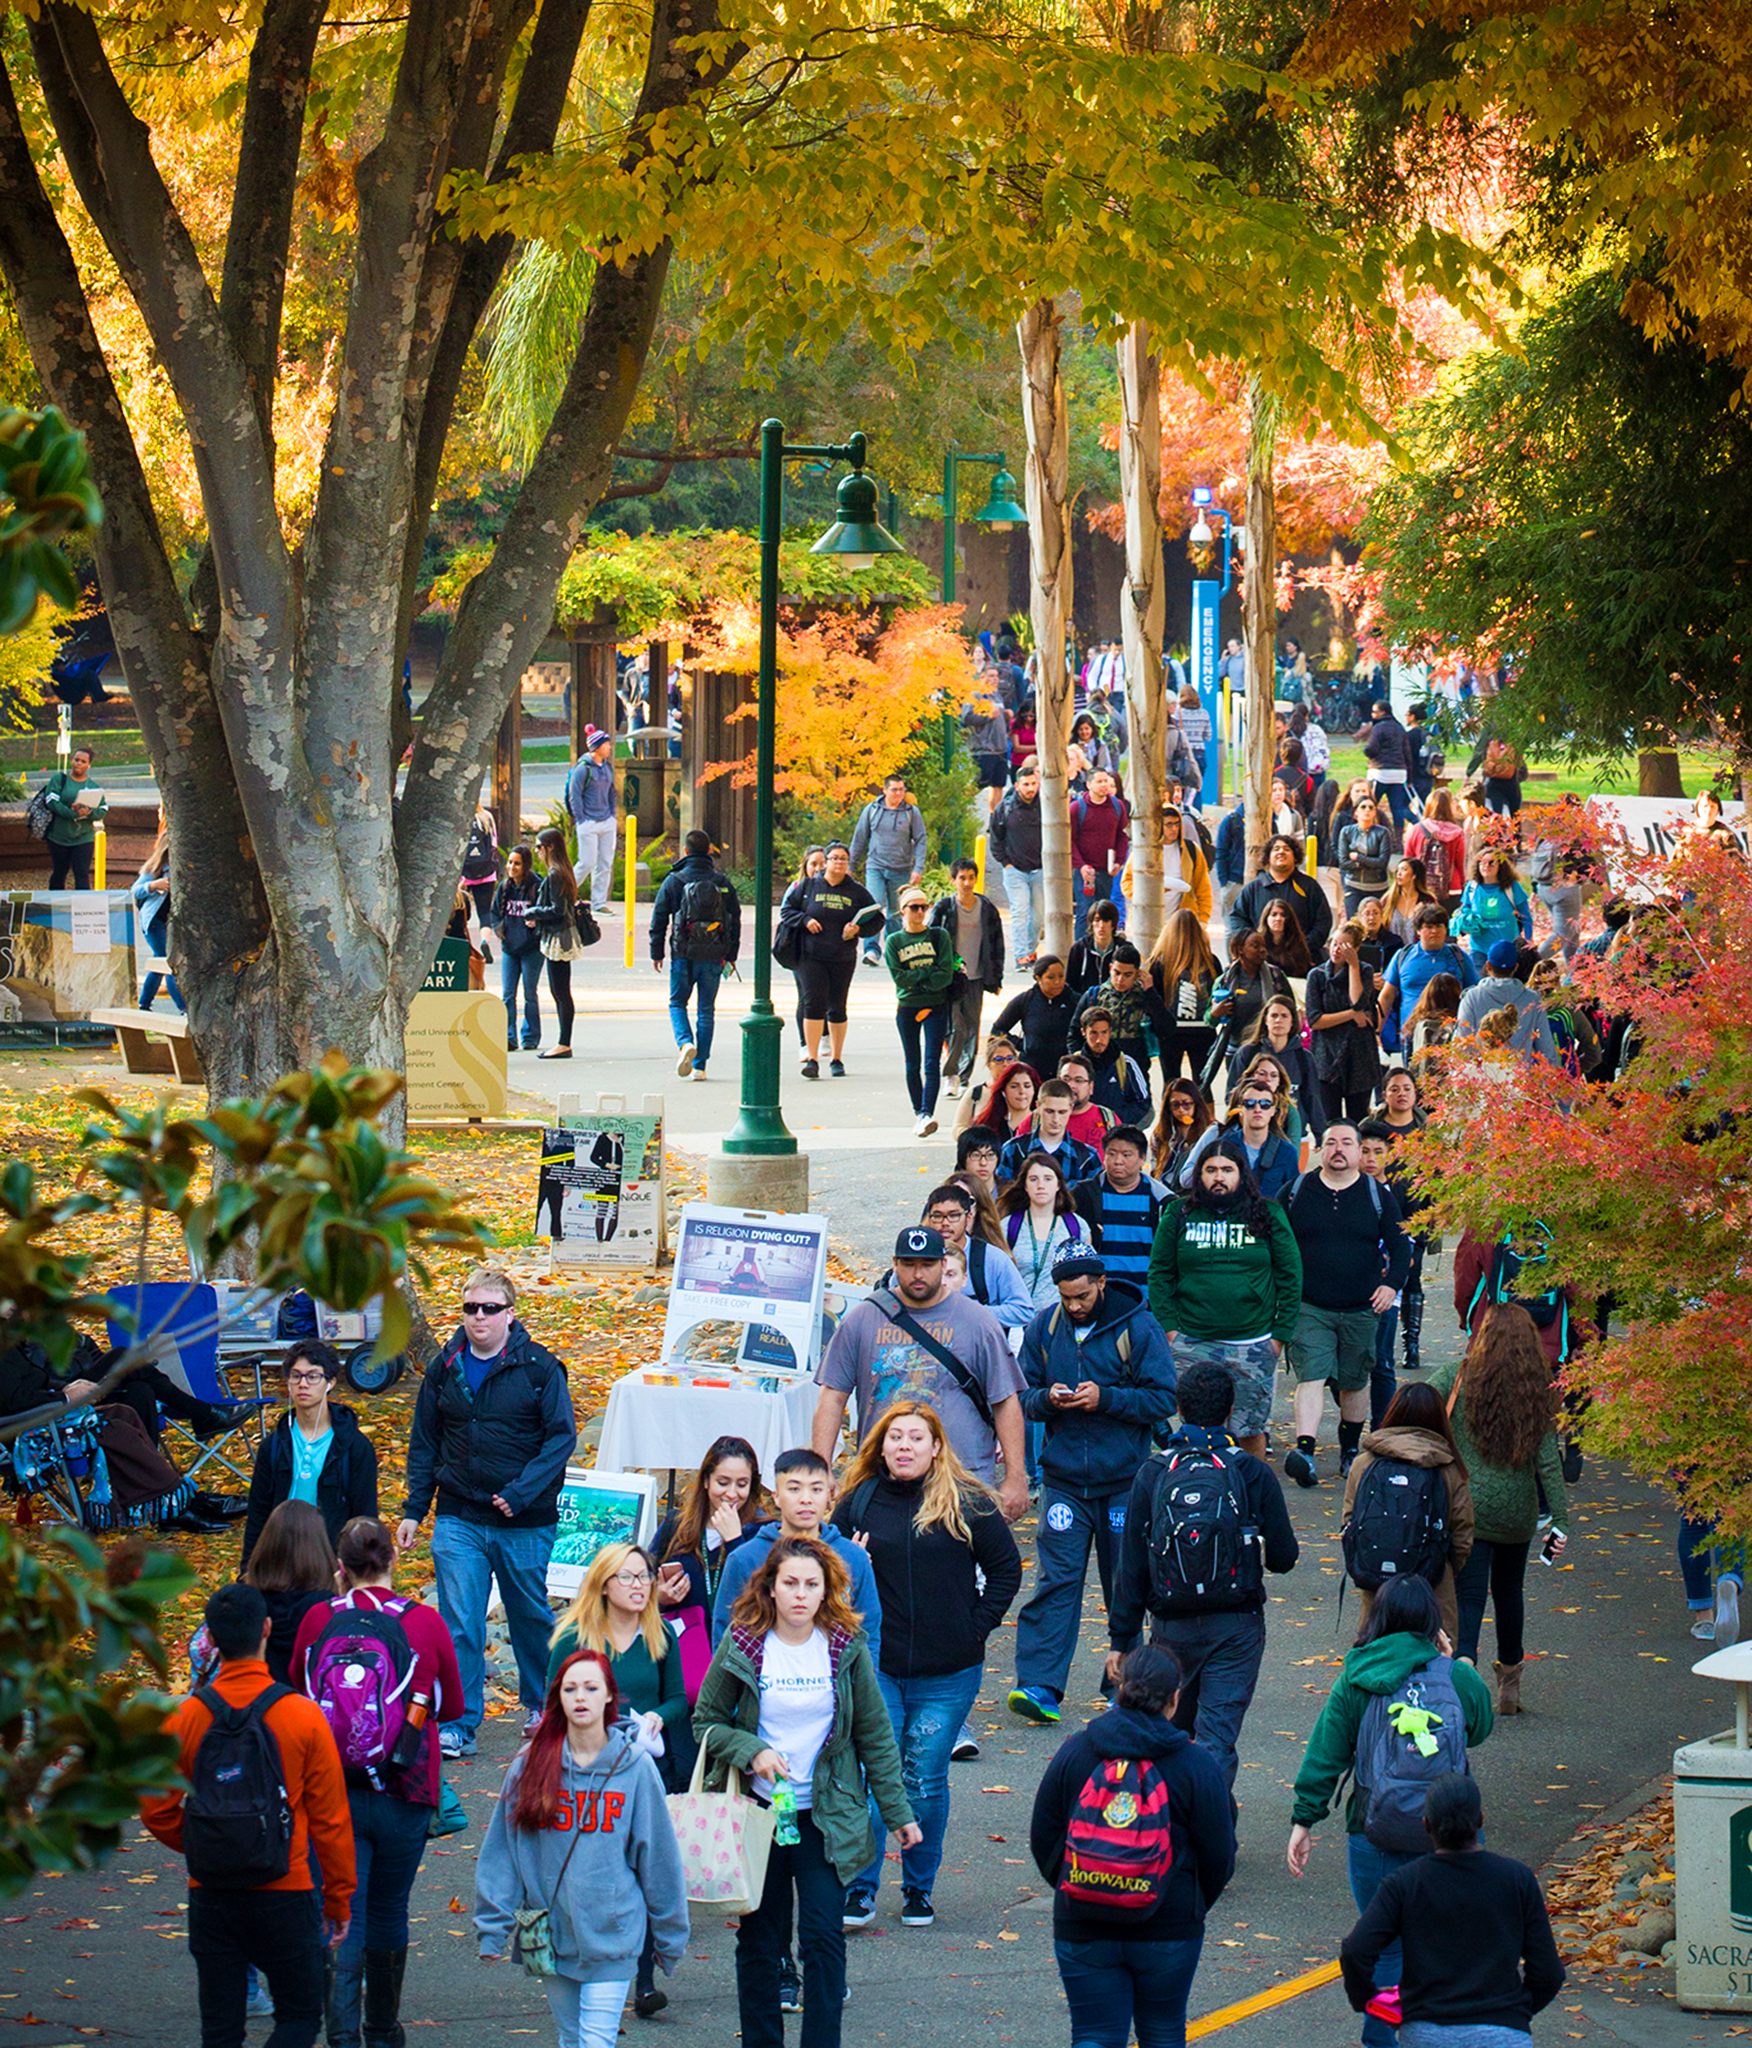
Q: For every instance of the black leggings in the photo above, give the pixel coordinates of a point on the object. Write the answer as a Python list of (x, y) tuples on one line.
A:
[(1344, 1105), (65, 858), (1191, 1041), (560, 988), (1497, 1571), (823, 986)]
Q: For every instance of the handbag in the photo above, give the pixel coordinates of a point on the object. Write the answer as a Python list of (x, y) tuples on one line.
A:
[(584, 920), (532, 1927), (787, 943), (693, 1644), (725, 1839), (562, 945)]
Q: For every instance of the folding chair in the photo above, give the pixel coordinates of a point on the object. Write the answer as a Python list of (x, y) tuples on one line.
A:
[(181, 1318), (60, 1465)]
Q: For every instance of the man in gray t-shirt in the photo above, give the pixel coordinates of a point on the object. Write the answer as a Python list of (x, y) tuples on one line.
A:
[(872, 1356)]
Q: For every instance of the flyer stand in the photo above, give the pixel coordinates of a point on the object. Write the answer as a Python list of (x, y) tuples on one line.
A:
[(600, 1196)]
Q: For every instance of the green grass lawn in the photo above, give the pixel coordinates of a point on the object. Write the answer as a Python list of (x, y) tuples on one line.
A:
[(115, 746), (1553, 778)]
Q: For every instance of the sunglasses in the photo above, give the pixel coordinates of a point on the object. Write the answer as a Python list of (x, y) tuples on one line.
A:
[(1258, 1102), (485, 1308)]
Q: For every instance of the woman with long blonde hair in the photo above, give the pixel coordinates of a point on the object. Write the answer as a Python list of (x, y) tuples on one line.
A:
[(792, 1695), (1182, 970), (930, 1529)]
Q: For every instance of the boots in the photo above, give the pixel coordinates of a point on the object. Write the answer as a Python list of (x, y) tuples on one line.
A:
[(1508, 1677), (1411, 1308), (384, 1969), (648, 2001), (341, 1981)]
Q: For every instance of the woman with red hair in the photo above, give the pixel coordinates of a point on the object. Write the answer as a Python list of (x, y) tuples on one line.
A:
[(581, 1828)]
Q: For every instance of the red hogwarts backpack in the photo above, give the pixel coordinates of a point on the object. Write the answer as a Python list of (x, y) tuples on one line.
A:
[(1118, 1850)]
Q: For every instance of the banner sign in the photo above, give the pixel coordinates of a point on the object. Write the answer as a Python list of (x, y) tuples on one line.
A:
[(755, 1267), (599, 1197)]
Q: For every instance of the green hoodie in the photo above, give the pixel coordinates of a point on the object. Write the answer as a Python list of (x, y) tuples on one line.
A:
[(1505, 1500), (923, 965), (1216, 1283), (1377, 1667)]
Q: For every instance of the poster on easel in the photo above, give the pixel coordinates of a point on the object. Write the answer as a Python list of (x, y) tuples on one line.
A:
[(759, 1268), (599, 1190)]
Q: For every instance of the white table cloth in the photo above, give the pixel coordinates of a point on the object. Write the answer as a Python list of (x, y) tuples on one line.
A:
[(653, 1428)]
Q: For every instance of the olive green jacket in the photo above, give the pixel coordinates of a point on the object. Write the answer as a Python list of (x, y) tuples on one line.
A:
[(727, 1726)]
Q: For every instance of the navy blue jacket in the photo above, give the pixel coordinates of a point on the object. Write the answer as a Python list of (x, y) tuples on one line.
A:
[(694, 867), (1231, 862), (513, 1438), (1099, 1453)]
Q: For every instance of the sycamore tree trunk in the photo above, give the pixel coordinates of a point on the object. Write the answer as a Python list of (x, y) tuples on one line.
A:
[(1260, 617), (1657, 772), (312, 872), (1141, 609), (1046, 480)]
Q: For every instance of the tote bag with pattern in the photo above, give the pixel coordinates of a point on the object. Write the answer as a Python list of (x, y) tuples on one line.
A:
[(725, 1839)]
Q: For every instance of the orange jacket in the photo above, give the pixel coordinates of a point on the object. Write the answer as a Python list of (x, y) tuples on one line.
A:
[(314, 1784)]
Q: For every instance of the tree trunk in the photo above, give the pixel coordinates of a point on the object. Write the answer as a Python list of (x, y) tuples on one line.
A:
[(1140, 482), (1046, 482), (1657, 772), (1260, 613)]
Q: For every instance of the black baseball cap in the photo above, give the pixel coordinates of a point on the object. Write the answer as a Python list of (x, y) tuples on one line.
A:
[(919, 1241)]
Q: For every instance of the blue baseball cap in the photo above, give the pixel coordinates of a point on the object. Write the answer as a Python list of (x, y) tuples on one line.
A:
[(1504, 957)]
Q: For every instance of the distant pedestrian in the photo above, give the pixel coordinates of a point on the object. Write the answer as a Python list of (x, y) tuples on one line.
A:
[(151, 893), (292, 1566), (1041, 1015), (1009, 1101), (316, 1452), (1131, 1967), (1415, 1514), (890, 841), (480, 862), (554, 914), (1013, 842), (701, 903), (520, 961), (977, 932), (75, 806), (1477, 1956), (1121, 1206), (832, 911), (921, 958), (590, 800), (1100, 843)]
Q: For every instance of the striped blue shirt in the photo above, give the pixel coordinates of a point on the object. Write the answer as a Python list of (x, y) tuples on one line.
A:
[(1126, 1236)]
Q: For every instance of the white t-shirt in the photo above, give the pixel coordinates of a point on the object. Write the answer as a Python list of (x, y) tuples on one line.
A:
[(796, 1708)]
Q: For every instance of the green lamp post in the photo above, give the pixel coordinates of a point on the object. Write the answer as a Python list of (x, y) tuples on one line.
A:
[(857, 539)]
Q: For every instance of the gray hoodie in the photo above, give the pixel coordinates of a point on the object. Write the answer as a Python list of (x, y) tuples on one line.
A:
[(624, 1874), (894, 840), (1501, 991)]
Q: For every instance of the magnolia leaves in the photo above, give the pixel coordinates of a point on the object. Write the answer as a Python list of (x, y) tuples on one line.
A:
[(42, 471)]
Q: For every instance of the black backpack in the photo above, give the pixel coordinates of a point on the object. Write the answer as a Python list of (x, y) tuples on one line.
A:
[(237, 1817), (1398, 1524), (702, 931), (1203, 1549)]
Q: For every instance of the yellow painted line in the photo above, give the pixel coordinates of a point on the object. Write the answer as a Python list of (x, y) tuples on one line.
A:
[(1262, 2001)]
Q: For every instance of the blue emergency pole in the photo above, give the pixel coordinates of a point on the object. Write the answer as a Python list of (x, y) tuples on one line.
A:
[(1207, 596)]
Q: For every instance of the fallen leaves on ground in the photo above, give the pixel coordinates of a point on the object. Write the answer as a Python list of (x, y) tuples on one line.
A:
[(1581, 1893)]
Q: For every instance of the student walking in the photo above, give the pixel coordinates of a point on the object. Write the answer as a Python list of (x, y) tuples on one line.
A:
[(590, 800), (581, 1829), (493, 1432), (1408, 1504), (921, 958), (519, 947), (1205, 1522), (792, 1696), (382, 1669), (1041, 1015), (1403, 1662), (832, 910), (1013, 841), (265, 1805), (554, 914), (292, 1566), (1477, 1958), (1132, 1968), (1121, 1207), (1041, 1224), (803, 1492), (151, 894), (1101, 1380), (75, 806), (707, 936), (947, 1569), (719, 1515), (316, 1452), (977, 935), (890, 841)]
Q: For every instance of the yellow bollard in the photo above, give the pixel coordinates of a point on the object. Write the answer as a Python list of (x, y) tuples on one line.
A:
[(979, 853), (99, 847), (1226, 752), (632, 881), (1311, 854)]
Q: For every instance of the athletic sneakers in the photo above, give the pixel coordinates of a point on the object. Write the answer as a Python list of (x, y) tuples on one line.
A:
[(1727, 1613), (812, 1070), (925, 1126), (261, 2001), (916, 1909), (860, 1906), (953, 1092), (698, 1074), (684, 1061), (966, 1746), (1034, 1703), (790, 1984), (1300, 1467), (453, 1743), (1346, 1459), (837, 1068)]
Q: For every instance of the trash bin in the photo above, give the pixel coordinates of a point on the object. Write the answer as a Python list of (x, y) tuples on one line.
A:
[(1712, 1852)]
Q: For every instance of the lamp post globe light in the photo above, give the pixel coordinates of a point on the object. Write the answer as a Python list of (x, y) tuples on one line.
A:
[(760, 1166)]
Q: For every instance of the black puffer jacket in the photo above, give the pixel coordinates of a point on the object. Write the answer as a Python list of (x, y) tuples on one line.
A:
[(514, 1438), (345, 1487), (935, 1620)]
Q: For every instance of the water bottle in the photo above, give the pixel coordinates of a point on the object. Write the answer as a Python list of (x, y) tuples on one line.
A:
[(785, 1814)]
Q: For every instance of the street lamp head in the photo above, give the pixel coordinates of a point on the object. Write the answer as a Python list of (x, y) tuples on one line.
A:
[(856, 537), (1000, 511)]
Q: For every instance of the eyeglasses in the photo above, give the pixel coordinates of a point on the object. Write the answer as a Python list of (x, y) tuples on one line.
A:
[(1258, 1102), (485, 1308), (632, 1580), (319, 1378), (944, 1219)]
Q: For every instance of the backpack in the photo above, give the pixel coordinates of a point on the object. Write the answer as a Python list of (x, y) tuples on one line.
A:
[(1409, 1738), (1503, 1269), (359, 1671), (480, 858), (1438, 860), (1203, 1550), (39, 814), (1119, 1850), (1398, 1524), (1501, 763), (701, 932), (1545, 864), (237, 1818)]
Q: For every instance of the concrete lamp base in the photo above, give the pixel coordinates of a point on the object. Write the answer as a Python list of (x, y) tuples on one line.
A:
[(743, 1180)]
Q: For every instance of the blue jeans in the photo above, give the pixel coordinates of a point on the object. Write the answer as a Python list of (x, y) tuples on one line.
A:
[(521, 970), (1427, 2034), (764, 1935), (885, 884), (153, 983), (467, 1556), (922, 1042), (1383, 1376), (1369, 1868), (1219, 1657), (1027, 898), (927, 1714), (699, 978), (1113, 1986), (1104, 891), (1397, 797), (389, 1839), (1046, 1629), (1701, 1566)]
